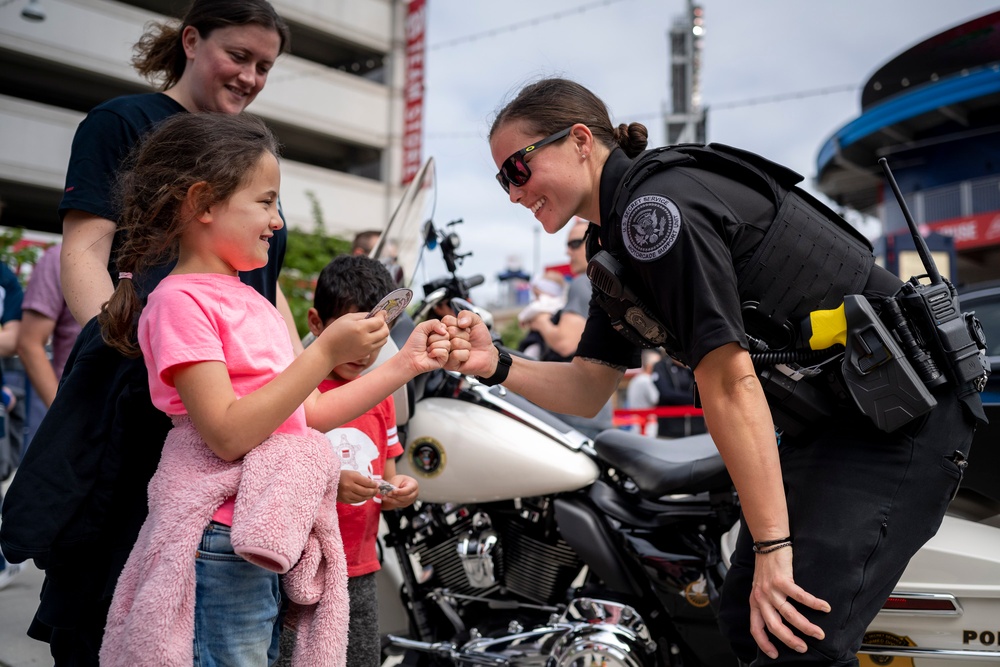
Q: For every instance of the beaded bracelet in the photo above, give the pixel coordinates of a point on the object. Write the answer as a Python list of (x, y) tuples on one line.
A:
[(767, 550), (767, 546)]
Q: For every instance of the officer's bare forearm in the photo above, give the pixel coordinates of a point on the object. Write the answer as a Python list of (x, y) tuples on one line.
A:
[(739, 420), (562, 338), (581, 387)]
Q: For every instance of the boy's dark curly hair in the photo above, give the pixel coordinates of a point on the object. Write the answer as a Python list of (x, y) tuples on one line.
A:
[(349, 282)]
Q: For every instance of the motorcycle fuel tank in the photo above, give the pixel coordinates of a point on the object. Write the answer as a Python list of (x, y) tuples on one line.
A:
[(460, 452)]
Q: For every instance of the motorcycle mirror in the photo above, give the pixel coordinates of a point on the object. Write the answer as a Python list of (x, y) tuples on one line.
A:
[(459, 304), (430, 235)]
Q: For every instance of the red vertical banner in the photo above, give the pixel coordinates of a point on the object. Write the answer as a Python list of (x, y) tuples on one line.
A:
[(413, 89)]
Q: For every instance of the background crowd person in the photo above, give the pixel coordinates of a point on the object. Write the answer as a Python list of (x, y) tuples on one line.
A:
[(215, 59), (46, 317), (548, 296), (560, 333), (684, 238), (675, 386), (11, 296), (641, 393), (365, 242)]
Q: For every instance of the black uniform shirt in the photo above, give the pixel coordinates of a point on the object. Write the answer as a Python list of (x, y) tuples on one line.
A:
[(675, 239)]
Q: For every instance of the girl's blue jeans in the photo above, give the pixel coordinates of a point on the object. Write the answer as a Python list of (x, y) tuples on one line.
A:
[(236, 606)]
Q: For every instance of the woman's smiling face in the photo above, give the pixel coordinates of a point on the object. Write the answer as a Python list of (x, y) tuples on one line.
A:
[(556, 188), (230, 66)]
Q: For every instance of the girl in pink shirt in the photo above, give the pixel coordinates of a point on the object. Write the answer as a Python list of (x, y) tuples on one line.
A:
[(239, 492)]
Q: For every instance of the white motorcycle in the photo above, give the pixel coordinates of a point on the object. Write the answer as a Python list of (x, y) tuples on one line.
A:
[(532, 545)]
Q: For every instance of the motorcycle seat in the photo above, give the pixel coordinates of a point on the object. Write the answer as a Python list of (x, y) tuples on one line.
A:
[(664, 467)]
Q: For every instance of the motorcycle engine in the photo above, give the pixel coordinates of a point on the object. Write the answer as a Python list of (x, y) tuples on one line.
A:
[(506, 548), (590, 633), (504, 574)]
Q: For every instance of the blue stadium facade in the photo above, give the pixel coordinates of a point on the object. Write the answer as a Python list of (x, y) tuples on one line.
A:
[(934, 113)]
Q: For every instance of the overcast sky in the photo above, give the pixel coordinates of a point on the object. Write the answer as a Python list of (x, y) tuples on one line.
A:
[(752, 49)]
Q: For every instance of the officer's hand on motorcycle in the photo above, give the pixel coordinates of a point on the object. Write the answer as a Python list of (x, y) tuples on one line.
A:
[(771, 608), (404, 494), (354, 336), (355, 487)]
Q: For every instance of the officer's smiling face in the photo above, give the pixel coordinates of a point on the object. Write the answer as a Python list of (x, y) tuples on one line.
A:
[(554, 192)]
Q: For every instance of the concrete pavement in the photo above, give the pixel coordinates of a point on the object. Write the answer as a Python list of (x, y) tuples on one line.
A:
[(18, 602)]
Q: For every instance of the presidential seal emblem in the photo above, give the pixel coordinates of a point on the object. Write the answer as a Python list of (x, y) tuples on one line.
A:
[(650, 226)]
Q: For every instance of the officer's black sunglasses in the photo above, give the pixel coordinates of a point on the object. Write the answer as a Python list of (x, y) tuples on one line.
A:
[(514, 169)]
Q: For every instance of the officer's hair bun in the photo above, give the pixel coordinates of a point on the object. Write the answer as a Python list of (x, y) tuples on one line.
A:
[(632, 138)]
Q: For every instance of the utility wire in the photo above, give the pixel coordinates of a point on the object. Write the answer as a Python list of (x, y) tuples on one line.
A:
[(538, 20), (781, 97), (722, 106), (466, 39)]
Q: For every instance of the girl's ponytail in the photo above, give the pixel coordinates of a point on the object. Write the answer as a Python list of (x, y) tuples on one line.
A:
[(120, 315)]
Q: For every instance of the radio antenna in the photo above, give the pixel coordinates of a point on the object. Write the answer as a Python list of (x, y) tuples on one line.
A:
[(925, 254)]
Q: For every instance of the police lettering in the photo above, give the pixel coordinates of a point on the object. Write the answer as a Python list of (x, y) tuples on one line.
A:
[(986, 637)]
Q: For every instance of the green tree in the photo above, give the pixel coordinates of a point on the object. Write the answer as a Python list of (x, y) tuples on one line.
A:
[(512, 334), (305, 256), (15, 257)]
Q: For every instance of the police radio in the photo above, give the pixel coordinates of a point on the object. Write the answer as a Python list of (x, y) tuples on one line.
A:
[(919, 340), (946, 342)]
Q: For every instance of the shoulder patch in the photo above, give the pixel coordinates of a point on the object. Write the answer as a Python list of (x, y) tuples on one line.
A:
[(650, 226)]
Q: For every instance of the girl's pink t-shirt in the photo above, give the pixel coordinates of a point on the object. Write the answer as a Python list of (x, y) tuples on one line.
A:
[(198, 317)]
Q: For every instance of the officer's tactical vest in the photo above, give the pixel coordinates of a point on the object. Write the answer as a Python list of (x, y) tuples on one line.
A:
[(808, 259)]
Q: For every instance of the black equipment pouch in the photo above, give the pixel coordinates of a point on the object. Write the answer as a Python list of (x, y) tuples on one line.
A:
[(878, 375), (628, 314), (795, 404)]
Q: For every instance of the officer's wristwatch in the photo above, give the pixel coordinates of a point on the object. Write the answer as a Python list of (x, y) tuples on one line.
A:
[(500, 374)]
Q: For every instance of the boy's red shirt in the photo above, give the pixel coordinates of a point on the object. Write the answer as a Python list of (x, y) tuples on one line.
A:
[(364, 444)]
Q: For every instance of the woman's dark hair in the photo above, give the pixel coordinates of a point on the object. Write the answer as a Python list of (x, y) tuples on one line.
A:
[(550, 105), (159, 54), (350, 281), (220, 151)]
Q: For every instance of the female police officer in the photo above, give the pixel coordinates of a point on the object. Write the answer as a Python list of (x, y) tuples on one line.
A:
[(687, 239)]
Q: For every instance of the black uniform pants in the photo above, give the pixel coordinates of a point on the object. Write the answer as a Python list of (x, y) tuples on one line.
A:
[(861, 502)]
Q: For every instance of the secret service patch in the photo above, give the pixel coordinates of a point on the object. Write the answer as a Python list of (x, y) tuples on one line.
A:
[(650, 226)]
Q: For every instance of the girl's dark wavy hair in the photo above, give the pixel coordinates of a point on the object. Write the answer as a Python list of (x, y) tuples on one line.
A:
[(550, 105), (159, 54), (220, 151)]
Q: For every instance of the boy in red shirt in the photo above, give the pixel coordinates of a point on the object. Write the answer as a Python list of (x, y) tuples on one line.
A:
[(368, 447)]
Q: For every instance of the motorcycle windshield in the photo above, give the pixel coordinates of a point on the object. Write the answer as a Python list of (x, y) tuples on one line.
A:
[(402, 240)]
